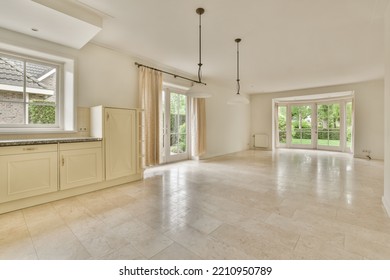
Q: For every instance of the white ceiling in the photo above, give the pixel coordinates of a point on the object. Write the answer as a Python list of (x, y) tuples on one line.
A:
[(286, 44)]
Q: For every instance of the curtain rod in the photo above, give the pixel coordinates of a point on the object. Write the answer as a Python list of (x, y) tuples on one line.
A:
[(172, 74)]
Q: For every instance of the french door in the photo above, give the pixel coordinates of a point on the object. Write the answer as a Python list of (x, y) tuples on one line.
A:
[(301, 126), (330, 126), (316, 125), (174, 126)]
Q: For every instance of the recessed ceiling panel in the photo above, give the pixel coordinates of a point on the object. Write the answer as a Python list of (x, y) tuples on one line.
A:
[(63, 26)]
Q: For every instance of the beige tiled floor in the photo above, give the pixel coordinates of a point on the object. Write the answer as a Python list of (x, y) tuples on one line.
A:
[(290, 204)]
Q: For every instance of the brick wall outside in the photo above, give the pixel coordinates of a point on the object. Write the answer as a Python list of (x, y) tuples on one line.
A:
[(12, 112)]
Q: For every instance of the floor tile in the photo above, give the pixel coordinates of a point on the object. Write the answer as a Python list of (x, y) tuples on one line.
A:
[(16, 244), (127, 252), (175, 252)]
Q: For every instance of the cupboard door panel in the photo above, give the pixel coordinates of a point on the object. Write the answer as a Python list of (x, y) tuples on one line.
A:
[(120, 144), (80, 167), (27, 175)]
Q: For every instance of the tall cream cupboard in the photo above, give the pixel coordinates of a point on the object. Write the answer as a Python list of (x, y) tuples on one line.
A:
[(118, 128)]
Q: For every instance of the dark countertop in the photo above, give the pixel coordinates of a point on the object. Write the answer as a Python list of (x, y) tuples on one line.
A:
[(20, 142)]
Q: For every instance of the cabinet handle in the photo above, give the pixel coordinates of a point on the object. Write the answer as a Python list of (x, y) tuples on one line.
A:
[(108, 116), (63, 161), (29, 149)]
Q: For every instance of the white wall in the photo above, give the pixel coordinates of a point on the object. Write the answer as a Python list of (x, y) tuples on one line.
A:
[(106, 77), (228, 126), (369, 113), (386, 195)]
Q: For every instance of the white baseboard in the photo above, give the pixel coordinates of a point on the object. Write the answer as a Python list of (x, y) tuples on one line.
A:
[(386, 204)]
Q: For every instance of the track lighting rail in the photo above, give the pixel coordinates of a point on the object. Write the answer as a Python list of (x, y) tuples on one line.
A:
[(169, 73), (200, 12)]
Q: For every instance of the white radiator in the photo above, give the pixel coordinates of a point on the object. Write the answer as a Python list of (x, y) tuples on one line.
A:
[(261, 141)]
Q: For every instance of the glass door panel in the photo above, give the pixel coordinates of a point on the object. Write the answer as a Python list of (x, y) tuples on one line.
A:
[(175, 144), (282, 128), (349, 125), (178, 130), (328, 126), (301, 127)]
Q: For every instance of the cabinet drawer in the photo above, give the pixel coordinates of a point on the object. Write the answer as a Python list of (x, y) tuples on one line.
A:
[(28, 149), (80, 145)]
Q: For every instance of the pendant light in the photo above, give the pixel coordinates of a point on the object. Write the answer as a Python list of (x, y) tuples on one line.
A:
[(198, 88), (238, 98)]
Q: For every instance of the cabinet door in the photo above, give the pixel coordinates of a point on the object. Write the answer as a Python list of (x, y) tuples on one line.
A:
[(25, 175), (120, 146), (80, 167)]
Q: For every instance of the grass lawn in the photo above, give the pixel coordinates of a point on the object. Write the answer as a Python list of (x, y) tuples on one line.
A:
[(321, 142)]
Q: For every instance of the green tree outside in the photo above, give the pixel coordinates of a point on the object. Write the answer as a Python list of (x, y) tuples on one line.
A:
[(178, 111), (43, 112), (301, 124)]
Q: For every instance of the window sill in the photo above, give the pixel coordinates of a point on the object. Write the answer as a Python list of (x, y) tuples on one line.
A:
[(6, 131)]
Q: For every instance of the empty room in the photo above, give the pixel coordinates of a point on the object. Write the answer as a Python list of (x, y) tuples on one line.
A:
[(194, 130)]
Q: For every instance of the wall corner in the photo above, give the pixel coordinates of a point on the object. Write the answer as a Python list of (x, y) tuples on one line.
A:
[(386, 205)]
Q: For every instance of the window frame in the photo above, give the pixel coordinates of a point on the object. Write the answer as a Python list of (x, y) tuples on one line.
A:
[(25, 102), (65, 95), (342, 101)]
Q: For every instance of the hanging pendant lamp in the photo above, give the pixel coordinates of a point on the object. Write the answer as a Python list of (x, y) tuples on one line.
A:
[(238, 98), (198, 89)]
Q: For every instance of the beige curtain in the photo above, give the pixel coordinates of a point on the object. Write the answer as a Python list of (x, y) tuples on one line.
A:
[(198, 112), (150, 88)]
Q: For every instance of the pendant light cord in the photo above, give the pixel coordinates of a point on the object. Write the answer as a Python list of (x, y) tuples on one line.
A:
[(238, 66), (200, 12), (238, 98)]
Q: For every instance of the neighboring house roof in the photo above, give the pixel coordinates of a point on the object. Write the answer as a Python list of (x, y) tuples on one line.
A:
[(41, 79)]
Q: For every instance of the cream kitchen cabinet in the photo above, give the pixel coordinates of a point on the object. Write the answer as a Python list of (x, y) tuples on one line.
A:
[(118, 128), (80, 164), (27, 171)]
